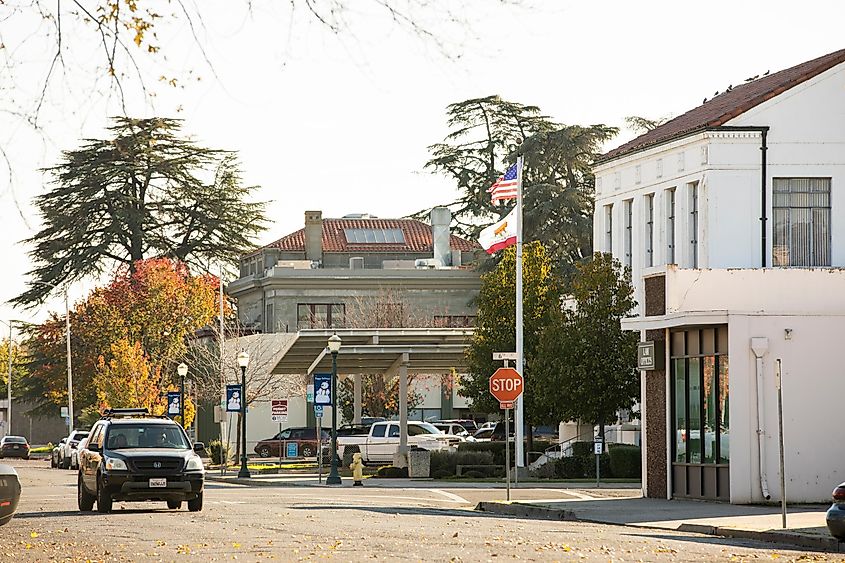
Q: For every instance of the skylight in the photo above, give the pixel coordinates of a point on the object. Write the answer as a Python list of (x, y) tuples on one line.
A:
[(374, 236)]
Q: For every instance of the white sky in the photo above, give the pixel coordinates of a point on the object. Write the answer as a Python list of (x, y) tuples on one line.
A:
[(343, 125)]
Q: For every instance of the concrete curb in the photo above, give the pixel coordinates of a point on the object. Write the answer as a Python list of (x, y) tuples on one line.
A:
[(817, 543)]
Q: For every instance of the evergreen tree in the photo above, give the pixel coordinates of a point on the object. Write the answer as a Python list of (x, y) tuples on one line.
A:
[(144, 193), (585, 362)]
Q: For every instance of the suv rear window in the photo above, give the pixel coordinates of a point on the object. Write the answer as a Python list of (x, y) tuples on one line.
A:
[(15, 440), (142, 435)]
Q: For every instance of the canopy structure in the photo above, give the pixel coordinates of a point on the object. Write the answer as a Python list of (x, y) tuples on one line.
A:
[(388, 351)]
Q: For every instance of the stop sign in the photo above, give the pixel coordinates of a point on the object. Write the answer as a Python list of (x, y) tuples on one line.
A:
[(506, 385)]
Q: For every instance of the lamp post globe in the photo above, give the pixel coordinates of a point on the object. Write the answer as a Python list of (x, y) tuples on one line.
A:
[(243, 362), (334, 347), (182, 370)]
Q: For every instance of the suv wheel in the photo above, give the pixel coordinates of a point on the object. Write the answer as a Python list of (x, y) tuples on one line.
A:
[(307, 451), (84, 499), (104, 500), (264, 451), (195, 505), (174, 504)]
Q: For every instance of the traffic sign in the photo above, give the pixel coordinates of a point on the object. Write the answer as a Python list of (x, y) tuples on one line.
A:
[(318, 410), (279, 410), (499, 356), (506, 385), (292, 449)]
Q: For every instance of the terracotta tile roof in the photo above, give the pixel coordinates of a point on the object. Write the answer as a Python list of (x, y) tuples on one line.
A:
[(418, 237), (728, 105)]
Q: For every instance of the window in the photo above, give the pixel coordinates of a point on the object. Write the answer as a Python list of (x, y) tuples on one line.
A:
[(801, 209), (629, 234), (693, 223), (374, 236), (649, 230), (394, 431), (320, 315), (608, 228), (670, 226), (378, 430), (454, 321), (269, 320)]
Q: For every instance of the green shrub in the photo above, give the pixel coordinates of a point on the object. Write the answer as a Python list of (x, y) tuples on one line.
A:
[(442, 474), (581, 449), (588, 462), (474, 474), (569, 468), (219, 452), (449, 461), (390, 472), (545, 471), (625, 461)]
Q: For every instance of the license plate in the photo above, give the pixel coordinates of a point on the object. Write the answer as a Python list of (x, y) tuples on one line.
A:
[(158, 482)]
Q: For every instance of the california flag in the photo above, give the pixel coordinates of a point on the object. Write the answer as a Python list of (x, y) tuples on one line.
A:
[(499, 235)]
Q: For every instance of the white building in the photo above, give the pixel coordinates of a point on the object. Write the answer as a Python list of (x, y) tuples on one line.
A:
[(732, 219)]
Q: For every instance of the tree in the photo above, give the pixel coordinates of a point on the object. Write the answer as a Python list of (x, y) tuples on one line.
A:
[(495, 331), (19, 371), (585, 361), (138, 322), (379, 396), (486, 135), (644, 124), (144, 193)]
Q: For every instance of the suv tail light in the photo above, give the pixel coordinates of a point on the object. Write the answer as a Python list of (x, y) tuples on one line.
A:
[(839, 493)]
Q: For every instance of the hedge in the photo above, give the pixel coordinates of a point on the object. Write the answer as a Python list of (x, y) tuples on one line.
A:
[(626, 461), (389, 471), (445, 463), (498, 449)]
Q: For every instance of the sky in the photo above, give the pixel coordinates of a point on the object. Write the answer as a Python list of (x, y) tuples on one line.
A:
[(341, 122)]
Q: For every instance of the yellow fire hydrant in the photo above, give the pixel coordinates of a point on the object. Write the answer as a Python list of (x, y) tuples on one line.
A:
[(357, 467)]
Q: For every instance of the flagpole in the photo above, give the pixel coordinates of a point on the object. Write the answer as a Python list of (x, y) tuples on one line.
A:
[(520, 359)]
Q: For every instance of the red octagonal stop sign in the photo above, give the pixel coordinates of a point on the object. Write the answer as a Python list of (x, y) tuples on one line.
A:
[(506, 385)]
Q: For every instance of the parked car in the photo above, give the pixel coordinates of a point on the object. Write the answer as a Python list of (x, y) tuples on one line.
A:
[(484, 434), (494, 433), (71, 443), (354, 429), (383, 441), (132, 456), (74, 453), (56, 453), (836, 514), (451, 428), (14, 446), (546, 433), (486, 425), (10, 493), (304, 437), (468, 424)]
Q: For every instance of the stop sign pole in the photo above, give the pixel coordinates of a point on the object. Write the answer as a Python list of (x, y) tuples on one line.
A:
[(506, 386)]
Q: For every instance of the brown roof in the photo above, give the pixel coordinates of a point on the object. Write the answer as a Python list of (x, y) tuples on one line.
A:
[(730, 104), (417, 237)]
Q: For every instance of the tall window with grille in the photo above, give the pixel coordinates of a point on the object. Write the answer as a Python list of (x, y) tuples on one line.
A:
[(693, 224), (321, 315), (608, 228), (649, 230), (629, 230), (801, 213), (670, 226)]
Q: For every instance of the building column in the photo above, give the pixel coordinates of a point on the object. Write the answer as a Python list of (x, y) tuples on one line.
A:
[(403, 405), (655, 411), (357, 402)]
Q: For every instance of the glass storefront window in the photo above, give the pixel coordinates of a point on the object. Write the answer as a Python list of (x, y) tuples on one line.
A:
[(694, 423), (680, 411), (724, 418), (710, 422)]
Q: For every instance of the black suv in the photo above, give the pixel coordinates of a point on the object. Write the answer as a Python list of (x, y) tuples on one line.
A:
[(132, 456)]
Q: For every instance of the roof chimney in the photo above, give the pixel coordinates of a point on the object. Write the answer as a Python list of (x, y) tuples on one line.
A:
[(441, 217), (314, 235)]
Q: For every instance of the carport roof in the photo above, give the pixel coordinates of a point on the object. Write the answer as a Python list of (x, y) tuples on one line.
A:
[(429, 350)]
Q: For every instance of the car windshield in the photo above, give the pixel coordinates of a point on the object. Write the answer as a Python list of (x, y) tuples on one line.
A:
[(423, 428), (146, 436)]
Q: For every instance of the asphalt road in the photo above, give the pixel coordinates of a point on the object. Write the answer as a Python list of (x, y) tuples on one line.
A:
[(309, 523)]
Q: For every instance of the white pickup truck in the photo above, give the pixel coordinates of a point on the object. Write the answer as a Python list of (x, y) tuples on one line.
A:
[(383, 441)]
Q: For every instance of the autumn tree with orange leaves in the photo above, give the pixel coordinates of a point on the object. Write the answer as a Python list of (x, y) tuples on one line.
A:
[(127, 338)]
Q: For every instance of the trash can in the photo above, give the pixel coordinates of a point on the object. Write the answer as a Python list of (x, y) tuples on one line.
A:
[(419, 463)]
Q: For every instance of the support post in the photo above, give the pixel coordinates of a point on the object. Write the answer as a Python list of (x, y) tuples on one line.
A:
[(357, 384), (519, 419), (403, 405), (334, 475), (69, 370), (508, 451), (244, 472), (779, 383)]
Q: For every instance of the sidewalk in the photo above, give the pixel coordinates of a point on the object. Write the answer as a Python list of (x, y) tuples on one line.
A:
[(805, 524)]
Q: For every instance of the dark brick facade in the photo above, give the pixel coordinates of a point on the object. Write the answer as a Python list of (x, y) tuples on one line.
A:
[(655, 297), (655, 424)]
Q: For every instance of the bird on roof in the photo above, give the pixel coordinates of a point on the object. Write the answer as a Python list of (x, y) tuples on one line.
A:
[(752, 78), (766, 73)]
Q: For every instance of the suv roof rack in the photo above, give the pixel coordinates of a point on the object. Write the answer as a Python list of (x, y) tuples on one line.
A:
[(120, 413)]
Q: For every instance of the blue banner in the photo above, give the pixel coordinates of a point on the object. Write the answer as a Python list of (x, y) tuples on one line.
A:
[(323, 389), (233, 398), (173, 403)]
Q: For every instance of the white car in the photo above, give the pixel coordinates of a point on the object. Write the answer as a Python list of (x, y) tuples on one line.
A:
[(74, 453), (383, 441), (66, 449)]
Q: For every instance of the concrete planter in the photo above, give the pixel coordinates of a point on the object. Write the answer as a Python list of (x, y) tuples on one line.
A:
[(419, 464)]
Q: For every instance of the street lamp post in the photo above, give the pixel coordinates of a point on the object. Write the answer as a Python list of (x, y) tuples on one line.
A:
[(182, 370), (9, 384), (243, 362), (334, 347)]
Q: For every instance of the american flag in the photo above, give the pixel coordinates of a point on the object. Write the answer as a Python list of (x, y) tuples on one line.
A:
[(506, 186)]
